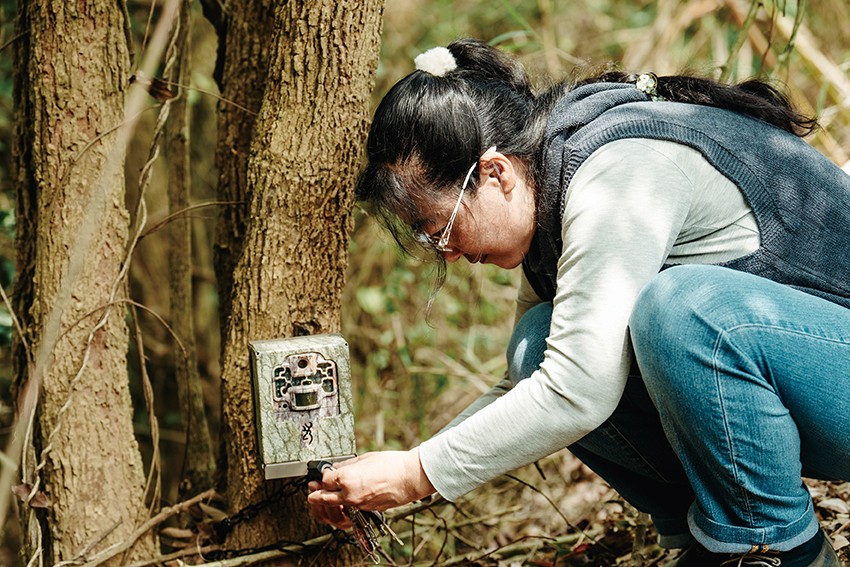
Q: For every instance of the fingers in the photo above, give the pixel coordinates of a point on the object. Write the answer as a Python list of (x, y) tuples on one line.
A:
[(330, 479), (373, 482), (332, 515), (326, 505), (325, 498)]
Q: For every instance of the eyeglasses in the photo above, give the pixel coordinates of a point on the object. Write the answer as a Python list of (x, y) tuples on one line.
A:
[(440, 239)]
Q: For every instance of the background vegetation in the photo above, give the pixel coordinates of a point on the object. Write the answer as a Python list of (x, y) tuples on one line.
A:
[(411, 375)]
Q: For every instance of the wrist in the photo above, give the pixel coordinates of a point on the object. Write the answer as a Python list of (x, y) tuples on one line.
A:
[(420, 486)]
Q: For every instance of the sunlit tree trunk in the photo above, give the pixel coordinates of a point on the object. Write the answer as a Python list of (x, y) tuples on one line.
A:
[(71, 77), (289, 276)]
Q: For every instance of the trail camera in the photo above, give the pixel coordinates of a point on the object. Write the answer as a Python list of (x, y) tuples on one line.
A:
[(302, 402)]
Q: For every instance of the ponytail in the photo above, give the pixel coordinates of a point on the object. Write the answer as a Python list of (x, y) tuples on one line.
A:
[(754, 97)]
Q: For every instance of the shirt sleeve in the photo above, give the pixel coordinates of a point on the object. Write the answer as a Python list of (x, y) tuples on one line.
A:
[(624, 208)]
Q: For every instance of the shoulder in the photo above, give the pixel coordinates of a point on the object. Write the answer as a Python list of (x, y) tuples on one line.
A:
[(643, 160)]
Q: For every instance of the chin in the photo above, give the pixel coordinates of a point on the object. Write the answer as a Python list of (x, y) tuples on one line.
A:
[(506, 263)]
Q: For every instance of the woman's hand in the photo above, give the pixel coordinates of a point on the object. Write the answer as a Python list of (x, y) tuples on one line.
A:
[(374, 481)]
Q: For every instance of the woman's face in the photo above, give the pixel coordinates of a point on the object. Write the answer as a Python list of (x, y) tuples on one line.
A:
[(493, 225)]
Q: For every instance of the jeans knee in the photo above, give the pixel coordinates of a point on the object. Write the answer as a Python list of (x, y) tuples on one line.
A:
[(666, 320), (657, 303), (677, 296), (528, 342)]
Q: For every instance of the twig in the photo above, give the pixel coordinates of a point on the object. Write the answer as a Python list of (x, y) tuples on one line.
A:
[(176, 214), (12, 40), (188, 552), (210, 93), (798, 21), (463, 539), (128, 33), (80, 558), (15, 322), (148, 25), (445, 538), (128, 121), (739, 40), (546, 496), (475, 520), (286, 551), (156, 465), (141, 306), (638, 560)]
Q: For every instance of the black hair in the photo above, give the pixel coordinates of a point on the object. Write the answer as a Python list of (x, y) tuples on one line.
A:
[(753, 97), (428, 130)]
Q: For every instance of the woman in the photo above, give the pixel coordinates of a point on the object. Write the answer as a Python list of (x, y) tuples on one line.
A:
[(684, 313)]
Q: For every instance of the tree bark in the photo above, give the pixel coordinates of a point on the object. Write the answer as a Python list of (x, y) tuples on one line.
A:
[(71, 80), (289, 277), (244, 35)]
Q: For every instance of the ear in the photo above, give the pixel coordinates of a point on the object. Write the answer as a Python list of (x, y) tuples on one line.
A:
[(495, 166)]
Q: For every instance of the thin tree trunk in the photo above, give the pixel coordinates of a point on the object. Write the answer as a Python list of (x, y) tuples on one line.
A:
[(289, 277), (71, 81), (199, 461)]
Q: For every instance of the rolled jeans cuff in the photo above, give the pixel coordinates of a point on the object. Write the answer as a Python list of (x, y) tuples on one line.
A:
[(736, 539)]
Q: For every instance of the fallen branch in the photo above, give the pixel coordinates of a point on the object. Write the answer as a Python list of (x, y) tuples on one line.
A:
[(189, 552)]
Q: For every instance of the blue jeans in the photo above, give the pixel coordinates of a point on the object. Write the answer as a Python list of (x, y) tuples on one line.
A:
[(744, 387)]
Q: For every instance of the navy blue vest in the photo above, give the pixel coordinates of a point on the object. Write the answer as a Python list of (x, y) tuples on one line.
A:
[(801, 200)]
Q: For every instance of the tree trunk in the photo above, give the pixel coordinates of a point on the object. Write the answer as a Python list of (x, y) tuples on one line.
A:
[(71, 80), (289, 277), (244, 33)]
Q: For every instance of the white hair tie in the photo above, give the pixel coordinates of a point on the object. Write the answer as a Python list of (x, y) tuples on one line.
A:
[(437, 61)]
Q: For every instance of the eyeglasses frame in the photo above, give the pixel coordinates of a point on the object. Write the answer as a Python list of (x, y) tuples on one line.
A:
[(442, 244)]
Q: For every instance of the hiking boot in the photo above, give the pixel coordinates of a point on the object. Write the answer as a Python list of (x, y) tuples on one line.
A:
[(817, 552)]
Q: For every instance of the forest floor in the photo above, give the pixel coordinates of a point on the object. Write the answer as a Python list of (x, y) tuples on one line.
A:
[(560, 514)]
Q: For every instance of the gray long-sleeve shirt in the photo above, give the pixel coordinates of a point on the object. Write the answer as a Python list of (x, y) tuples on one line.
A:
[(632, 206)]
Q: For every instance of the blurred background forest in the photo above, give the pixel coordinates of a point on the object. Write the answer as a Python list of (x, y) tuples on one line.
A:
[(411, 376)]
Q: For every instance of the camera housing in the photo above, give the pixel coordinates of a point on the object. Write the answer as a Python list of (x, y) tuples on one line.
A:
[(302, 402)]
